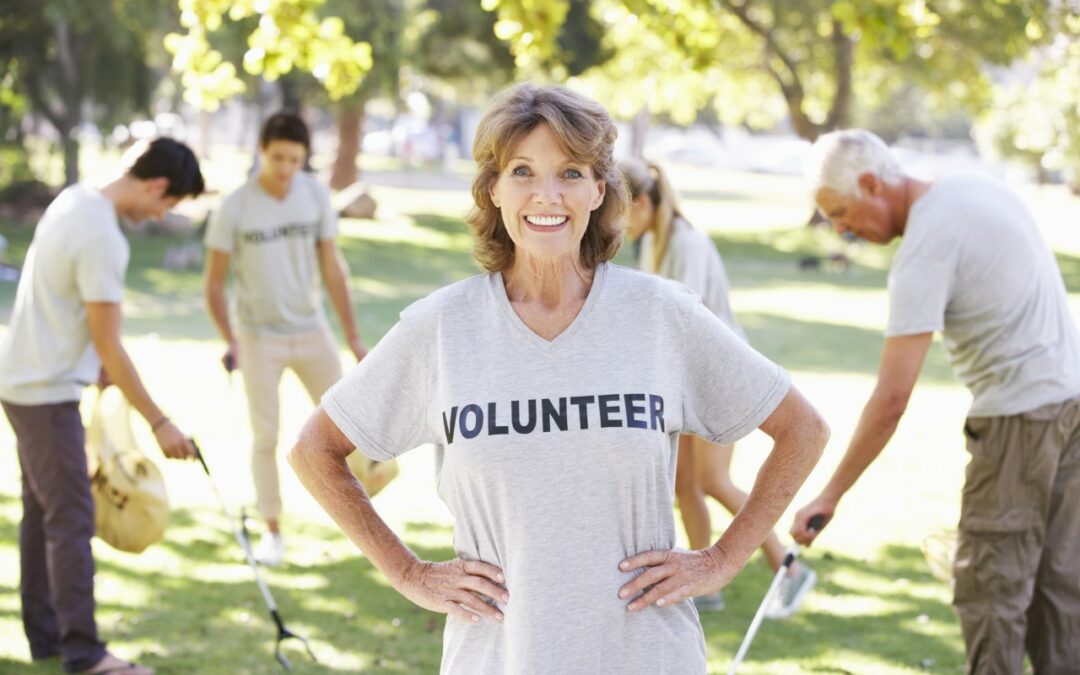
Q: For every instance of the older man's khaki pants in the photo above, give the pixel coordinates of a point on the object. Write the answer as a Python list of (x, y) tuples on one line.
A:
[(1017, 571), (314, 357)]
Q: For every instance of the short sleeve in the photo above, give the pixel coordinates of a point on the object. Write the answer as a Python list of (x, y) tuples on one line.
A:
[(328, 220), (920, 283), (729, 388), (100, 264), (220, 228), (381, 404)]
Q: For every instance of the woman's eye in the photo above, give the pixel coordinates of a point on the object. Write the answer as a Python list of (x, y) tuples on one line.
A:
[(573, 173), (521, 171)]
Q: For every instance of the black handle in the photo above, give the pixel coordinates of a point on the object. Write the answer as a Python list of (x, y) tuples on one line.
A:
[(816, 523), (198, 456), (229, 361)]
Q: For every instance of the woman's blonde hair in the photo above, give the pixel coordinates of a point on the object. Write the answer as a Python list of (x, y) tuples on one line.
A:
[(585, 132), (647, 178)]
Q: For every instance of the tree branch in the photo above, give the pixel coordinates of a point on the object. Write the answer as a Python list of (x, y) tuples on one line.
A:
[(791, 85), (843, 47), (741, 11)]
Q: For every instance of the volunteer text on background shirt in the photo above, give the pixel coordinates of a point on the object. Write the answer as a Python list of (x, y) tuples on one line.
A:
[(973, 265), (273, 245), (78, 255), (557, 458)]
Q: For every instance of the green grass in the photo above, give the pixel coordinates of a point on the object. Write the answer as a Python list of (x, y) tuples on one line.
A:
[(189, 604)]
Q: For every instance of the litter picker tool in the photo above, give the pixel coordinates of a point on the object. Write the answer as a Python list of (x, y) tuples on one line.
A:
[(815, 524), (241, 533)]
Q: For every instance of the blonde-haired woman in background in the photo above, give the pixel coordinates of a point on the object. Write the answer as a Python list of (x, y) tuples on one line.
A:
[(671, 247)]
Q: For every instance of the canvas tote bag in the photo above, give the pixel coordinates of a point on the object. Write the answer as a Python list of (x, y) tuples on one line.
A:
[(131, 507), (374, 476)]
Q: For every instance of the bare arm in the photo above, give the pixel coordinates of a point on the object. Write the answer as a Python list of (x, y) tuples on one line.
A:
[(799, 436), (217, 273), (105, 319), (318, 458), (335, 273), (901, 360)]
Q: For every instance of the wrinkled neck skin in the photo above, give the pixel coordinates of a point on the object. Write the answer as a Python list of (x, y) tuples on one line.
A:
[(550, 283)]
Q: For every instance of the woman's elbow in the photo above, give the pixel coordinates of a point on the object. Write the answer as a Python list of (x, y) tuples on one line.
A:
[(819, 433), (304, 451)]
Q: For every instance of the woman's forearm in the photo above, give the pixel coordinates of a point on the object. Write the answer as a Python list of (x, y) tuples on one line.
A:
[(318, 458), (799, 435)]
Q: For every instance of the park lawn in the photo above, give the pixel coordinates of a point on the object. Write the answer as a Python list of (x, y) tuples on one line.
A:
[(189, 604)]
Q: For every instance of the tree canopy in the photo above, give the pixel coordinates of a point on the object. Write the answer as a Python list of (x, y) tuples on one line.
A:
[(822, 57)]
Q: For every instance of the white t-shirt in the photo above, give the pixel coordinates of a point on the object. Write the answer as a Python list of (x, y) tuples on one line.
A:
[(692, 260), (274, 253), (557, 458), (78, 255), (973, 265)]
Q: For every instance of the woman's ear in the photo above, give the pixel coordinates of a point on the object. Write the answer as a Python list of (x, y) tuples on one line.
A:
[(601, 186)]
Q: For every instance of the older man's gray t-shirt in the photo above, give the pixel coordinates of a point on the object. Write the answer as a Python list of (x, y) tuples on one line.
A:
[(973, 265), (557, 458), (273, 246), (692, 259), (78, 255)]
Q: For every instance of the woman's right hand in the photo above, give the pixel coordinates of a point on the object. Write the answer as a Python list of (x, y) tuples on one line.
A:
[(451, 587)]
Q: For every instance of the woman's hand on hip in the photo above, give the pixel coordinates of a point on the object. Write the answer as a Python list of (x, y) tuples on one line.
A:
[(454, 587), (669, 577)]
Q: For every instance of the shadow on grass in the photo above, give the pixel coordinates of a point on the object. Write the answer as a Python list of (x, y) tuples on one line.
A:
[(200, 610), (439, 222), (819, 347), (911, 625), (354, 620)]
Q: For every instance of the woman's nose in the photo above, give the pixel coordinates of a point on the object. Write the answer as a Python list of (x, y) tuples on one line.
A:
[(547, 191)]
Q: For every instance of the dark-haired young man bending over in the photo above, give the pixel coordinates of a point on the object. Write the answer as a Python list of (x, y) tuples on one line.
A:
[(65, 335)]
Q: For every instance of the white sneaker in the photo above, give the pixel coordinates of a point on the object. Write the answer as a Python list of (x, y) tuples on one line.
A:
[(271, 550), (792, 592)]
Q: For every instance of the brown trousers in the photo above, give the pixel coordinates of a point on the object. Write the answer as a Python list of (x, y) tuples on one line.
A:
[(57, 580), (1017, 570)]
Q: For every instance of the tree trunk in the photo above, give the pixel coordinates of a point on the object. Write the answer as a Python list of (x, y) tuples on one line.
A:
[(71, 156), (69, 51), (290, 94), (638, 132), (349, 118)]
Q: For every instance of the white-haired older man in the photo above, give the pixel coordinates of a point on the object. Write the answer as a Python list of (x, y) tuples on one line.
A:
[(973, 265)]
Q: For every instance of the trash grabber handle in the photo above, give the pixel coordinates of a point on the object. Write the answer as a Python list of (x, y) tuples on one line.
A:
[(815, 525)]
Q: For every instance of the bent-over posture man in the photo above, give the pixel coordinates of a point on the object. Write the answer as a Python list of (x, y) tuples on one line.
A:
[(973, 265), (65, 335)]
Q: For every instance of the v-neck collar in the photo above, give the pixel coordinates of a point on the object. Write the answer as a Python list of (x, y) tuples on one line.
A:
[(498, 287)]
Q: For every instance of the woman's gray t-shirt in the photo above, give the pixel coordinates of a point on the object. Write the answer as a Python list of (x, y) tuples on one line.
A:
[(557, 458)]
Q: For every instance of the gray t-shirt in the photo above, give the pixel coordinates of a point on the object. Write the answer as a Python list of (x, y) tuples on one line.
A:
[(78, 255), (692, 259), (973, 265), (274, 253), (557, 458)]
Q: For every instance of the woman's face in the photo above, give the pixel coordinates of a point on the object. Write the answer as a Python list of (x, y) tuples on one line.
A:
[(641, 217), (545, 197)]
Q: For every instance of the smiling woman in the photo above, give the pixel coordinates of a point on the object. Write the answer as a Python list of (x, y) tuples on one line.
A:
[(561, 492)]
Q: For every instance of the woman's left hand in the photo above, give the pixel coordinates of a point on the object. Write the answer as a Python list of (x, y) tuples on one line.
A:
[(672, 576)]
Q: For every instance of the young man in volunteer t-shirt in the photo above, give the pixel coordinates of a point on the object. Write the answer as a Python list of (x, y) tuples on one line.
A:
[(276, 234)]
